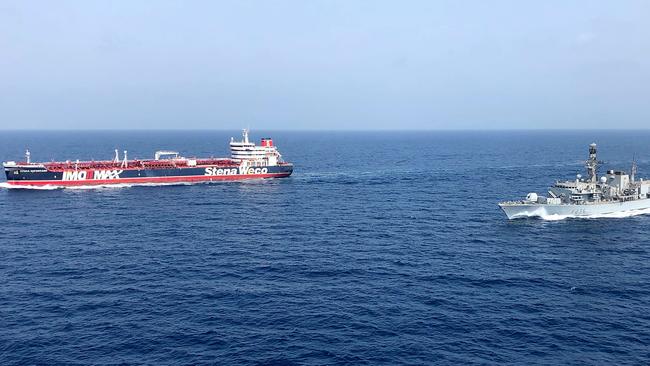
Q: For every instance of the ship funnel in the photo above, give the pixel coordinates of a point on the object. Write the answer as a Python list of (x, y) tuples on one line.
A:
[(267, 142)]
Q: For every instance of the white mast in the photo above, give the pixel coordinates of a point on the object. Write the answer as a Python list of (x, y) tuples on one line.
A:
[(28, 156)]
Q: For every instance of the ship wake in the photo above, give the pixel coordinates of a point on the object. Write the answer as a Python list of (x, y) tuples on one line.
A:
[(611, 215), (118, 185), (99, 186), (40, 188)]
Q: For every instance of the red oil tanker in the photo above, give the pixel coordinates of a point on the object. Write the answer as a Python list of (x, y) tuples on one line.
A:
[(247, 161)]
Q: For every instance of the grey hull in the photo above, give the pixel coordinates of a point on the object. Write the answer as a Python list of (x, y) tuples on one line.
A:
[(521, 210)]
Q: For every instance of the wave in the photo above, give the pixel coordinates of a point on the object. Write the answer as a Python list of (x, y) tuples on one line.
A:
[(129, 185), (100, 186), (611, 215), (41, 188)]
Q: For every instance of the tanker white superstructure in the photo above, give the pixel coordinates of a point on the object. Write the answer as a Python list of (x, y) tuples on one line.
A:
[(245, 150), (613, 193)]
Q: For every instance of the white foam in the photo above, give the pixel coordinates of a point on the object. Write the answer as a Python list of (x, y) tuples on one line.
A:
[(42, 188), (611, 215), (129, 185), (106, 186), (99, 186)]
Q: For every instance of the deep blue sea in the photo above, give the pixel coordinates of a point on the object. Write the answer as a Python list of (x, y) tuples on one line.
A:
[(383, 248)]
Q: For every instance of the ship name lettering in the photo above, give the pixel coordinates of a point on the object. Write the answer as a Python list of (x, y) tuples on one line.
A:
[(107, 174), (75, 175), (220, 171), (256, 171), (211, 171)]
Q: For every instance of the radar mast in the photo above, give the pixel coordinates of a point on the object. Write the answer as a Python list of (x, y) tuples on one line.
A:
[(634, 169), (592, 164)]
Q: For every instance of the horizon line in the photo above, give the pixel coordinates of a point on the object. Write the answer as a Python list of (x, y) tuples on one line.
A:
[(317, 129)]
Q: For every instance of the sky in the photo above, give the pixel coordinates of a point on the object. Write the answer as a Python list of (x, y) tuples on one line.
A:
[(324, 65)]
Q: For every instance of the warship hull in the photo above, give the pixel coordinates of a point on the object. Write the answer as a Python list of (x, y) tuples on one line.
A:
[(523, 210)]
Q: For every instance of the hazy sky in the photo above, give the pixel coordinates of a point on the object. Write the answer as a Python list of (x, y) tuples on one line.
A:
[(308, 64)]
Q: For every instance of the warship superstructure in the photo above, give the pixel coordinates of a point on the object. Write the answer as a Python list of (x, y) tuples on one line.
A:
[(612, 193), (247, 161)]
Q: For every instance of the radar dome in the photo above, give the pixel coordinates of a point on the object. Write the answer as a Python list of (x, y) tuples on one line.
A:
[(603, 180), (532, 197)]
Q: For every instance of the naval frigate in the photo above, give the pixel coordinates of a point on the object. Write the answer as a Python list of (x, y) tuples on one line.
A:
[(611, 194)]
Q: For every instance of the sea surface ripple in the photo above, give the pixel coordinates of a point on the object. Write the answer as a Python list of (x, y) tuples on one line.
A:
[(382, 249)]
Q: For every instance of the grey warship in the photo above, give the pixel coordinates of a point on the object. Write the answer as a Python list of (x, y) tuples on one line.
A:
[(611, 194)]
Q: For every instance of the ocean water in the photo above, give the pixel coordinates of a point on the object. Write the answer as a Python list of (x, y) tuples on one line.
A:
[(383, 248)]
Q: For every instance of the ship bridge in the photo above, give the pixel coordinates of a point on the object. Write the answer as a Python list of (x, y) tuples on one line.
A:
[(245, 150)]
